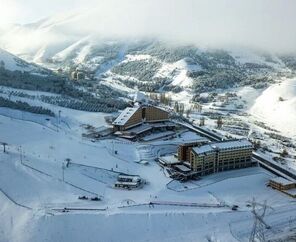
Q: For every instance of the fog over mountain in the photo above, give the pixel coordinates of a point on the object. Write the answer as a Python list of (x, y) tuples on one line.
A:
[(265, 25)]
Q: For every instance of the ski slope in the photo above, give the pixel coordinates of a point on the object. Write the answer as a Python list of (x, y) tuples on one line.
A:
[(277, 107), (178, 72), (31, 175)]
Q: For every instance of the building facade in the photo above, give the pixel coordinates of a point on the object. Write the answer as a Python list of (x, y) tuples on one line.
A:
[(154, 114), (184, 149), (222, 156), (131, 117), (281, 184)]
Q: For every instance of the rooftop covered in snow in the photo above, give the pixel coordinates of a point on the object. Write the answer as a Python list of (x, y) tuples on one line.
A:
[(168, 159), (195, 141), (282, 181), (182, 168), (225, 145), (125, 115)]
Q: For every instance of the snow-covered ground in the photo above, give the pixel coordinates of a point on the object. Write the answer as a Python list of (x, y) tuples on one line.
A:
[(36, 184), (242, 56), (177, 72), (266, 115), (13, 63), (32, 191), (277, 107)]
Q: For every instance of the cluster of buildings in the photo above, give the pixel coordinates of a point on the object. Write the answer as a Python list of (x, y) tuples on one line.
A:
[(77, 75), (201, 158), (194, 158)]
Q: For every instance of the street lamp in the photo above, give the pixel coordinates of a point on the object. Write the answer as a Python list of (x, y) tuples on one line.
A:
[(63, 170), (58, 120), (60, 116), (64, 165), (21, 154)]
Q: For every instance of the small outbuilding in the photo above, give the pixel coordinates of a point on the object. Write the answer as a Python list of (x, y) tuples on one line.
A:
[(128, 182), (284, 185), (281, 183)]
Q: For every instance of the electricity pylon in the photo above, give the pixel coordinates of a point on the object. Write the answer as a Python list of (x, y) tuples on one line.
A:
[(260, 225)]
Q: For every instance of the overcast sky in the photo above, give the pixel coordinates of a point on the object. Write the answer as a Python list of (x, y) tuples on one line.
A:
[(265, 24), (26, 11)]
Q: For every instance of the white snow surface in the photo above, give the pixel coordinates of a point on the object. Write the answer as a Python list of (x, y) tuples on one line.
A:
[(80, 48), (244, 56), (96, 164), (13, 63), (177, 72), (136, 58), (280, 114)]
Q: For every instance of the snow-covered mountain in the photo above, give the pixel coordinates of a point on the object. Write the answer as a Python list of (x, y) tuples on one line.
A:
[(44, 198), (45, 38), (124, 64), (11, 62), (59, 42), (277, 106)]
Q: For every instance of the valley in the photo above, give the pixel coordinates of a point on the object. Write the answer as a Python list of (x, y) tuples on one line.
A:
[(75, 167)]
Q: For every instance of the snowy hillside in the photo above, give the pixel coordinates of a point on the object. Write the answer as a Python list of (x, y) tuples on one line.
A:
[(78, 50), (150, 65), (41, 202), (41, 40), (277, 107), (156, 66), (243, 56), (178, 72), (70, 171), (13, 63)]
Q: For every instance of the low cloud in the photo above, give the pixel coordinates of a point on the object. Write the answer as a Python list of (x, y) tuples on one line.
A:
[(263, 24), (260, 24)]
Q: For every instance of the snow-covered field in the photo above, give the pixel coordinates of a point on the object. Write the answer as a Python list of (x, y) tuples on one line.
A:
[(39, 187), (35, 185), (33, 192)]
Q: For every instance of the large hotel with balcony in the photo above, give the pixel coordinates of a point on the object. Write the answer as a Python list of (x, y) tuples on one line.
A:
[(221, 156), (201, 157)]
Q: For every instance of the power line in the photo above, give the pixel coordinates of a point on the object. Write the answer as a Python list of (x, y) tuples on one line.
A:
[(259, 226)]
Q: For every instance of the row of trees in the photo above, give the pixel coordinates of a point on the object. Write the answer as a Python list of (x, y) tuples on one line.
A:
[(107, 100), (99, 105), (25, 107)]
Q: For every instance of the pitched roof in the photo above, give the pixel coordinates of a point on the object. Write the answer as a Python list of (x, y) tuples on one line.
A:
[(125, 115)]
